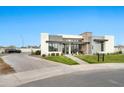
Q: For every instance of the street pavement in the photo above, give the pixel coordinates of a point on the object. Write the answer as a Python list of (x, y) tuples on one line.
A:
[(106, 78)]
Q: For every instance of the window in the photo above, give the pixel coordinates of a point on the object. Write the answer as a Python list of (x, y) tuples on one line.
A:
[(53, 46), (102, 46)]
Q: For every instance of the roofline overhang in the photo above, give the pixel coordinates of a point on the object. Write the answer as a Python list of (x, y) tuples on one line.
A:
[(65, 42), (100, 40)]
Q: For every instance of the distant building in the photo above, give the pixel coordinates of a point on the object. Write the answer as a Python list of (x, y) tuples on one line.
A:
[(2, 50), (119, 48), (84, 43)]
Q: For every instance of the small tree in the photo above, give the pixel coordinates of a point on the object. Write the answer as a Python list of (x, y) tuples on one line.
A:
[(12, 46)]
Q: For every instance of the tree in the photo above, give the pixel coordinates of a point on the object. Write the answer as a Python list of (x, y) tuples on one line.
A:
[(11, 46)]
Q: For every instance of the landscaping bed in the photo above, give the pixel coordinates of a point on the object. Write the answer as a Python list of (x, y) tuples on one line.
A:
[(118, 58), (61, 59), (5, 68)]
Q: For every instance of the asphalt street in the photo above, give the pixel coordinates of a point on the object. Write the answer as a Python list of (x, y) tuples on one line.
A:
[(106, 78)]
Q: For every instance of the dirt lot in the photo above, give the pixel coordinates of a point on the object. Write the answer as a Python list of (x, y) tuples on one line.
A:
[(5, 68)]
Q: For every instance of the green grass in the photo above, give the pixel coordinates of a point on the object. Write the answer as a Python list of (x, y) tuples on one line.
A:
[(108, 58), (61, 59)]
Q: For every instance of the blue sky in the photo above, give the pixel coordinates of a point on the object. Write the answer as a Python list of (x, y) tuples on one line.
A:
[(23, 25)]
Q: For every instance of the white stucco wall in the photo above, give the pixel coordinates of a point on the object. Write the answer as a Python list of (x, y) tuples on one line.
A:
[(44, 45), (109, 45), (96, 47), (29, 50)]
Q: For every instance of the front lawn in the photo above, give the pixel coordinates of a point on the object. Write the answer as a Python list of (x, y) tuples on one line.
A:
[(61, 59), (108, 58)]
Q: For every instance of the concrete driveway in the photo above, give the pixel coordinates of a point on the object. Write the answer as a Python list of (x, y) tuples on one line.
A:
[(23, 62)]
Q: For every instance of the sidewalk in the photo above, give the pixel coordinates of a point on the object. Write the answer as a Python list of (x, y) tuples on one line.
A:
[(81, 62), (103, 66)]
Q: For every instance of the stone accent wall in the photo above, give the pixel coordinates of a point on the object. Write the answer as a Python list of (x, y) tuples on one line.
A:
[(86, 47)]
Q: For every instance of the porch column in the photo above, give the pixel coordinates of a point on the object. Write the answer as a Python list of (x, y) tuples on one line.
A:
[(69, 48), (87, 49), (65, 48)]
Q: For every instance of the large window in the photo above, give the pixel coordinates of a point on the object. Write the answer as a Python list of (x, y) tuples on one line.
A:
[(53, 47)]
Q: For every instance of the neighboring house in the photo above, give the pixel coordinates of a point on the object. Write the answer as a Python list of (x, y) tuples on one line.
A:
[(119, 48), (2, 50), (84, 43), (29, 50)]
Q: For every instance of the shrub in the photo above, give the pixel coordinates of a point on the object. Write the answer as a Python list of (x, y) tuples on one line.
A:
[(57, 54), (43, 55), (32, 53), (3, 52), (49, 54), (81, 53), (38, 52), (62, 54), (120, 52), (108, 53), (52, 54)]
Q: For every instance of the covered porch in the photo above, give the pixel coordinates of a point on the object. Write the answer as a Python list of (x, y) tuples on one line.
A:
[(66, 47)]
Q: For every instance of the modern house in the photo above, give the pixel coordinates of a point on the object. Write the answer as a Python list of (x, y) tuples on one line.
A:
[(84, 43)]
